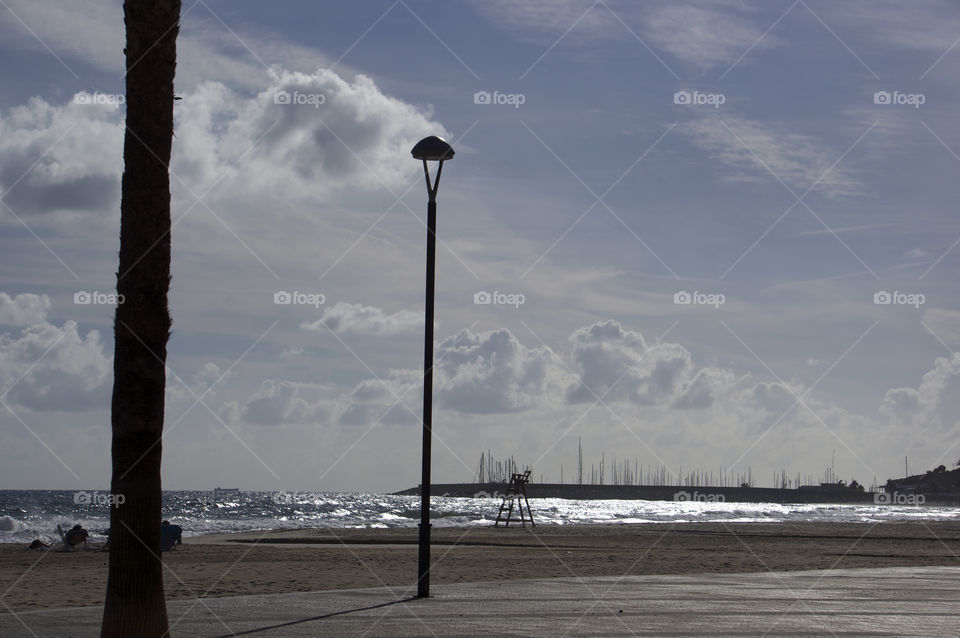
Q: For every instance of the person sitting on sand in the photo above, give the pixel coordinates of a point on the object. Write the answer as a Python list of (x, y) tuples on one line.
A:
[(170, 536), (38, 544), (76, 535)]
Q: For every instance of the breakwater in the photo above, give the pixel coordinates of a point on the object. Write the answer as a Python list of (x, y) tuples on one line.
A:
[(814, 494)]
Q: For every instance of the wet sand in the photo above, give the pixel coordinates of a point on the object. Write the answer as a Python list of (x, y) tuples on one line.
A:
[(322, 559)]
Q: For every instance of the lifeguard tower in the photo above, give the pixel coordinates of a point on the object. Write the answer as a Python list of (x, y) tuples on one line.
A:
[(517, 489)]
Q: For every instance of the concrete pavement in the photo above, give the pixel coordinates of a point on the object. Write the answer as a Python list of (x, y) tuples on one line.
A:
[(911, 601)]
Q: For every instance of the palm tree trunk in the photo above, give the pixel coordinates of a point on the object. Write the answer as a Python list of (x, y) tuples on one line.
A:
[(135, 604)]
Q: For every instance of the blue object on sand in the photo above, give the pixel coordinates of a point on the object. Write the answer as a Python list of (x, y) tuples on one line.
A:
[(170, 536)]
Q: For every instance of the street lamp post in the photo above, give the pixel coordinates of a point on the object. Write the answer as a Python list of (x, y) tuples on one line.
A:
[(435, 149)]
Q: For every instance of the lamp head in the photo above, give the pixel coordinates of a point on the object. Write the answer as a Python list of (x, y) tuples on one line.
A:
[(432, 148)]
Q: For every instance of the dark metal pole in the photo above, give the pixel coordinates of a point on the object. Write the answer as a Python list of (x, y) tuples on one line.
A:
[(423, 573)]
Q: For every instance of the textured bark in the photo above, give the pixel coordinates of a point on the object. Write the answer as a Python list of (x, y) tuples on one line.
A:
[(135, 604)]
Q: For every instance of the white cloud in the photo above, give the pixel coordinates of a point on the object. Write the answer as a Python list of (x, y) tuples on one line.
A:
[(663, 399), (617, 364), (704, 36), (23, 310), (68, 157), (762, 153), (50, 368), (389, 400), (943, 323), (920, 406), (492, 373), (551, 17), (353, 318), (61, 158), (392, 400), (483, 374), (704, 388), (278, 402), (202, 380), (772, 398), (302, 136)]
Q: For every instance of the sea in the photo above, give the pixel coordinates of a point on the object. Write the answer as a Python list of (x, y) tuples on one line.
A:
[(29, 514)]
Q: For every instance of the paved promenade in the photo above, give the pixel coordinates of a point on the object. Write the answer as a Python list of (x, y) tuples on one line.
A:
[(913, 601)]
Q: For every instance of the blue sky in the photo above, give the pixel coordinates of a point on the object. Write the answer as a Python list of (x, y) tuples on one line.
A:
[(792, 163)]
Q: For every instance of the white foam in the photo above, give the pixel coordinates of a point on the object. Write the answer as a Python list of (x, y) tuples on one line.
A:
[(9, 524)]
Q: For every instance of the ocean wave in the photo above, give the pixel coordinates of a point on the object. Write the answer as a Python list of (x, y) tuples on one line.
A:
[(9, 524), (25, 515)]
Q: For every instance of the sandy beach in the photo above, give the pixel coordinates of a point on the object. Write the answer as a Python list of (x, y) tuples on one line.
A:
[(324, 559)]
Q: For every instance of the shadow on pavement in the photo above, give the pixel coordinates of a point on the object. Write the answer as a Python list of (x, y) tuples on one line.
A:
[(315, 618)]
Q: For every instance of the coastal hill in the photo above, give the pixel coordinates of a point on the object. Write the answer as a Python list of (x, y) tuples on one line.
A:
[(938, 482)]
